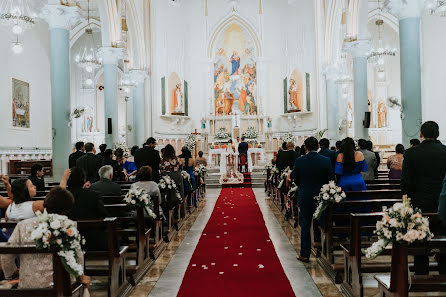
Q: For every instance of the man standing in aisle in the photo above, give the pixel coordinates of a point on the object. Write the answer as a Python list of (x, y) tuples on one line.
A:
[(77, 154), (310, 173), (148, 155)]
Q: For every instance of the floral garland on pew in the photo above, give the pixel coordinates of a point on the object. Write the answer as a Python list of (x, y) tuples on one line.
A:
[(329, 194), (201, 171), (274, 170), (267, 167), (186, 178), (283, 176), (168, 184), (139, 197), (291, 193), (56, 231), (401, 224)]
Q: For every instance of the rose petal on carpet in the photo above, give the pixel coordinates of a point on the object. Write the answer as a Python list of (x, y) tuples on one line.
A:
[(235, 256)]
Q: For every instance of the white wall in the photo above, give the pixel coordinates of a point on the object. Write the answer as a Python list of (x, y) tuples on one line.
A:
[(434, 71), (32, 66), (173, 26)]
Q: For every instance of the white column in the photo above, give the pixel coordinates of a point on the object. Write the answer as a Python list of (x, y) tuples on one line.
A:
[(139, 108)]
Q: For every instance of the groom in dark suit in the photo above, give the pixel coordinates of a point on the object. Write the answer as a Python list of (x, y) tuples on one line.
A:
[(310, 173), (243, 147)]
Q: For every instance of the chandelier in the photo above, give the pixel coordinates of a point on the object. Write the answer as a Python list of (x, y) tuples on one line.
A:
[(436, 7), (379, 52), (17, 15), (87, 57), (127, 82)]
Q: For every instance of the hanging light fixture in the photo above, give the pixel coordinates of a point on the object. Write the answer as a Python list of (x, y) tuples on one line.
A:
[(87, 56), (436, 7), (127, 82), (17, 15), (379, 52), (17, 47)]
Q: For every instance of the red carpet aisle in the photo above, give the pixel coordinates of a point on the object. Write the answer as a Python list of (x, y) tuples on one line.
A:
[(235, 256)]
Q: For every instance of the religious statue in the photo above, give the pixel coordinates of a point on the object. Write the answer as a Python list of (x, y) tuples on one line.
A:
[(294, 96), (235, 61), (178, 99), (382, 115)]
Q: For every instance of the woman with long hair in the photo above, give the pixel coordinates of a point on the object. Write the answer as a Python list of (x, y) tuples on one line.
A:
[(170, 165), (349, 165), (395, 162), (129, 166), (188, 165)]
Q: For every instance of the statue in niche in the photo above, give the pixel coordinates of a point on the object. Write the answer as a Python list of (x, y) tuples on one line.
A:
[(295, 92), (178, 99), (382, 115)]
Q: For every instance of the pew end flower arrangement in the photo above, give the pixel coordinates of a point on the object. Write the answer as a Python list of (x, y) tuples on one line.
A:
[(201, 171), (283, 176), (400, 224), (186, 178), (58, 232), (138, 197), (167, 184), (329, 194), (274, 171)]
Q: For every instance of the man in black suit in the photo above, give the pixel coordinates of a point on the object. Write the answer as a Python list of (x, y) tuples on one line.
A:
[(424, 169), (243, 147), (378, 158), (148, 155), (105, 186), (90, 163), (76, 155), (107, 159), (287, 157), (102, 149), (279, 154), (324, 144), (310, 173)]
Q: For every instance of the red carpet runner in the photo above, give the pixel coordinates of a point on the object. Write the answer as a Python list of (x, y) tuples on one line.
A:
[(235, 256)]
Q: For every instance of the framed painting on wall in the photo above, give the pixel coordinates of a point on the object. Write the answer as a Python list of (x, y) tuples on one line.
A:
[(20, 104)]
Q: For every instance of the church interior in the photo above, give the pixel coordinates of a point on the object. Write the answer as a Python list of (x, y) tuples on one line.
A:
[(198, 148)]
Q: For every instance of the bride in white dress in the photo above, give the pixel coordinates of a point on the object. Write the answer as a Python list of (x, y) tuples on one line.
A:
[(232, 176)]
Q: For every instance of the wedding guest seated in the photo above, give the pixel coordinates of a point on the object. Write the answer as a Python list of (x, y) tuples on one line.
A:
[(370, 159), (90, 163), (144, 180), (77, 154), (108, 160), (414, 142), (349, 165), (23, 207), (200, 160), (395, 162), (378, 158), (120, 160), (171, 165), (37, 271), (36, 177), (129, 166), (87, 205), (105, 186)]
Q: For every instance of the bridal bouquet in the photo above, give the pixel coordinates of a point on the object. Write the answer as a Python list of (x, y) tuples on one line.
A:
[(283, 176), (402, 224), (56, 231), (139, 197), (168, 184), (190, 142), (329, 194)]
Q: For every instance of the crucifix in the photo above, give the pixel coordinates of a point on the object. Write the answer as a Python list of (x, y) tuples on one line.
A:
[(195, 149)]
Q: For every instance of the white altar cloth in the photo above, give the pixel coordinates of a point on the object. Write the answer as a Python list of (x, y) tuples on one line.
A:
[(252, 152)]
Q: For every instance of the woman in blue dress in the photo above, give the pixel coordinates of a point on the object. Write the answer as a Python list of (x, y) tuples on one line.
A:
[(188, 165), (129, 166), (349, 165)]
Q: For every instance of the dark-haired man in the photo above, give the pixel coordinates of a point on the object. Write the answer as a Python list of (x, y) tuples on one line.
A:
[(324, 144), (102, 149), (424, 169), (414, 142), (148, 155), (90, 163), (243, 147), (77, 154), (36, 177), (310, 173)]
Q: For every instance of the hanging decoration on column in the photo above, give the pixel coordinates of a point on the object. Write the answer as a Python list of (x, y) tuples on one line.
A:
[(379, 51), (87, 57)]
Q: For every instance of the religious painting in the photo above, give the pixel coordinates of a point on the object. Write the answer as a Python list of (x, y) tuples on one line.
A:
[(382, 115), (235, 74), (20, 104), (176, 95), (295, 92)]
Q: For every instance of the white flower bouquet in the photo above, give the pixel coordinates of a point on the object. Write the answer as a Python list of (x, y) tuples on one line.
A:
[(222, 134), (274, 171), (186, 178), (288, 137), (139, 197), (56, 231), (250, 133), (190, 142), (402, 224), (200, 172), (283, 176), (329, 194), (167, 184), (123, 147)]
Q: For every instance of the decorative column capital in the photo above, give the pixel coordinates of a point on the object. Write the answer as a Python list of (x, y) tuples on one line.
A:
[(358, 48), (404, 9), (60, 16), (139, 76), (111, 55)]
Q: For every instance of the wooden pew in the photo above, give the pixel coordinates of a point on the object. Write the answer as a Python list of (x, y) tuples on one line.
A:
[(398, 284), (62, 282), (330, 243), (383, 181), (24, 166)]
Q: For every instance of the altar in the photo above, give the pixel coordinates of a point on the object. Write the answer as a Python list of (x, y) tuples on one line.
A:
[(252, 157)]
